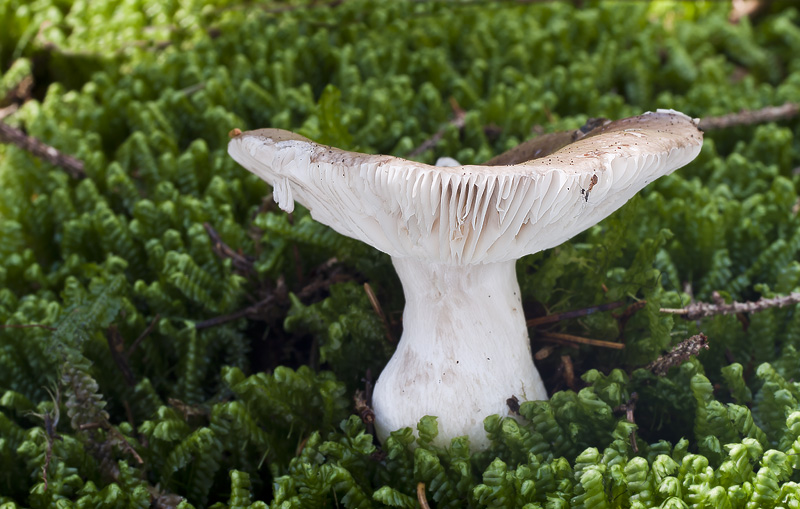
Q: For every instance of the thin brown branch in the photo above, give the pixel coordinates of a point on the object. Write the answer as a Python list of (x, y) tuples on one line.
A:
[(458, 121), (18, 94), (362, 408), (376, 306), (569, 339), (750, 117), (543, 352), (50, 425), (684, 350), (569, 371), (700, 310), (14, 136), (144, 334), (8, 110), (629, 408), (279, 295), (249, 311), (242, 263), (116, 346), (557, 317), (421, 498), (623, 317)]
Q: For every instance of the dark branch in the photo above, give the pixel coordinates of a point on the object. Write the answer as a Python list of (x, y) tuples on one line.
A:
[(242, 264), (682, 352), (116, 346), (569, 339), (557, 317), (458, 120), (750, 117), (144, 334), (704, 309), (14, 136)]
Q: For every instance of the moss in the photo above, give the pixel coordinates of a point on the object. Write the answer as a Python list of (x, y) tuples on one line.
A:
[(143, 382)]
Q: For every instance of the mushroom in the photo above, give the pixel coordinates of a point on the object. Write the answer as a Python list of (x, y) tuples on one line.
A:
[(454, 234)]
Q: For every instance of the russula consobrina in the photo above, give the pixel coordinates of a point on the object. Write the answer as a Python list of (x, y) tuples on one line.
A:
[(454, 234)]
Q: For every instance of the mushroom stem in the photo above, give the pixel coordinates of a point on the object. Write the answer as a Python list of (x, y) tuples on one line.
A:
[(464, 350)]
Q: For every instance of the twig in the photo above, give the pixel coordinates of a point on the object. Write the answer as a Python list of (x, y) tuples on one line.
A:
[(750, 117), (629, 408), (117, 348), (557, 317), (627, 313), (570, 339), (41, 150), (19, 93), (699, 310), (376, 306), (259, 306), (50, 425), (362, 408), (8, 110), (543, 352), (191, 89), (241, 263), (144, 334), (458, 120), (123, 441), (278, 297), (569, 371), (687, 348), (421, 498)]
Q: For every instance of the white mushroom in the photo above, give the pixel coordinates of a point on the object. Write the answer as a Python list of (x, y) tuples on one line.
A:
[(454, 234)]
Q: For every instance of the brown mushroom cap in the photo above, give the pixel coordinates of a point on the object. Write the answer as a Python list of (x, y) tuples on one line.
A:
[(470, 214)]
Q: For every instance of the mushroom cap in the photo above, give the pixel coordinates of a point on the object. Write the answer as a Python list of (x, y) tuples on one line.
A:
[(470, 213)]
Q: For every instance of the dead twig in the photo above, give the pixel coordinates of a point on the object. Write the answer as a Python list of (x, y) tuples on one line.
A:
[(50, 424), (569, 339), (376, 306), (627, 313), (18, 94), (14, 136), (116, 345), (557, 317), (682, 352), (629, 408), (543, 352), (242, 263), (750, 117), (421, 498), (458, 121), (8, 110), (362, 408), (698, 310), (144, 334), (569, 371), (279, 296), (251, 311)]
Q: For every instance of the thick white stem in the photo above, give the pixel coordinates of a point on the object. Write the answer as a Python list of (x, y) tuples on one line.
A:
[(464, 351)]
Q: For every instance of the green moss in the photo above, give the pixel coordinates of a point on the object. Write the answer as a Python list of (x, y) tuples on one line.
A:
[(132, 387)]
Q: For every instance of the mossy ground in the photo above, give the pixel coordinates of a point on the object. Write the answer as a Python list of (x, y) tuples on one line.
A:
[(141, 383)]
